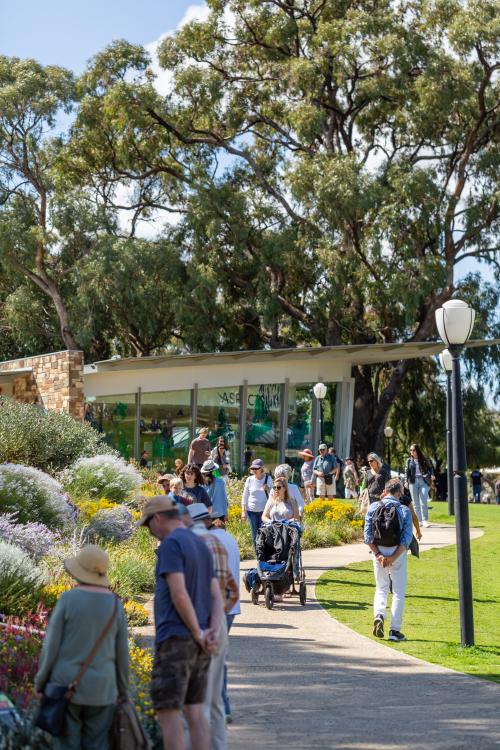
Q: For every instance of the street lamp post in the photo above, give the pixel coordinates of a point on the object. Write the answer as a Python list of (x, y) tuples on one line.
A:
[(454, 321), (319, 391), (388, 432), (446, 361)]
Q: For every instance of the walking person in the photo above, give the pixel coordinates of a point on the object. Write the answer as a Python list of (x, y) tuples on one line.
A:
[(418, 475), (324, 469), (284, 471), (351, 479), (497, 492), (477, 481), (255, 495), (388, 533), (216, 488), (214, 701), (188, 611), (220, 454), (218, 529), (78, 620), (376, 476), (280, 506), (194, 485), (199, 450), (306, 474)]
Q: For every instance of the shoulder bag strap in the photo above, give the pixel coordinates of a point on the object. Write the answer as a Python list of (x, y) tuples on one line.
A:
[(86, 664)]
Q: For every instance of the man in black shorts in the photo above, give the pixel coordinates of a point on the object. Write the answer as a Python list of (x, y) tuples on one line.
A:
[(188, 611)]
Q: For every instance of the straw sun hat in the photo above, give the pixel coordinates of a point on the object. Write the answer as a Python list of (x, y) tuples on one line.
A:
[(89, 566)]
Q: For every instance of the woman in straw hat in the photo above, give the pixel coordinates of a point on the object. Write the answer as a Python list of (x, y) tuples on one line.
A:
[(78, 620)]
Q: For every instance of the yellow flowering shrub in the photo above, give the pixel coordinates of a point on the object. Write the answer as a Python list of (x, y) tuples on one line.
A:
[(234, 512), (141, 664), (88, 508), (137, 615), (332, 510), (52, 591)]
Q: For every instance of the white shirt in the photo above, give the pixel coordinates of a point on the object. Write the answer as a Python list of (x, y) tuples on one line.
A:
[(254, 496), (296, 495), (233, 559)]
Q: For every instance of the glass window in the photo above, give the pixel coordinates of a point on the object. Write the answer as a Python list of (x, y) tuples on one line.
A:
[(299, 434), (262, 424), (165, 427), (114, 416), (329, 414), (219, 410)]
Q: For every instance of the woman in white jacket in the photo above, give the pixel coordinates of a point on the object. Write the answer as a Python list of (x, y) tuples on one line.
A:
[(255, 496)]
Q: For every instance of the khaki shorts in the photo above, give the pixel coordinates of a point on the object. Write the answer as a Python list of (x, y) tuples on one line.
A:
[(180, 673), (325, 490)]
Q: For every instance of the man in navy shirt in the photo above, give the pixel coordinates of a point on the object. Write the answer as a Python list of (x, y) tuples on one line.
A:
[(477, 479), (188, 611)]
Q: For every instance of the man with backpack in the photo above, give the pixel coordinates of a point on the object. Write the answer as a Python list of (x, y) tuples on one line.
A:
[(388, 533)]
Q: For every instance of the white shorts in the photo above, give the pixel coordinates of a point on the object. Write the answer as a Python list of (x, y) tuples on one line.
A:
[(325, 490)]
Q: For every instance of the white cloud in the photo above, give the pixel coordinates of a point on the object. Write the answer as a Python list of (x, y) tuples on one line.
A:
[(164, 78)]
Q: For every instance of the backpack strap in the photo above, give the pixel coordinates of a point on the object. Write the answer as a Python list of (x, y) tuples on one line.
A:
[(266, 486), (73, 686)]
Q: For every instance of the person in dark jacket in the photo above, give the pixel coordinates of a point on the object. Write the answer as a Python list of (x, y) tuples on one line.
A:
[(376, 477), (418, 476)]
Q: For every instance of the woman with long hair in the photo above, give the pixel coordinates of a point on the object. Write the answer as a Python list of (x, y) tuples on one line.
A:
[(418, 474), (220, 454), (194, 486), (281, 506)]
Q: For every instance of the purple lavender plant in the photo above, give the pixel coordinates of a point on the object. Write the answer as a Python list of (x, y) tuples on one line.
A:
[(33, 538)]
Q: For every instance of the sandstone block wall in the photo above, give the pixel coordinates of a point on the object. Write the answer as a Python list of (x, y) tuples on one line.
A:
[(55, 382)]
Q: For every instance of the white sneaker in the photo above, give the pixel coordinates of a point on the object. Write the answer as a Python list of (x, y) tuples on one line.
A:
[(426, 524)]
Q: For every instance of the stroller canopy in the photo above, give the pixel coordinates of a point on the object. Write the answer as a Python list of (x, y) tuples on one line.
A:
[(276, 541)]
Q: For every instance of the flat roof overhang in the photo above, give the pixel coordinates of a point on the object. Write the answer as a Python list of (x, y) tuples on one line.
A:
[(362, 354), (6, 375)]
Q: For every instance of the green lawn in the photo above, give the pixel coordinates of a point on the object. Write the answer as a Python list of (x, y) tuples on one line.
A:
[(431, 620)]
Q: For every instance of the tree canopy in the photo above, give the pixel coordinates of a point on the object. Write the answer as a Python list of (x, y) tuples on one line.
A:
[(323, 169)]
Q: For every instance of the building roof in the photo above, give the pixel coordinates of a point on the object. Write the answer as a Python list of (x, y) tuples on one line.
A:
[(362, 354)]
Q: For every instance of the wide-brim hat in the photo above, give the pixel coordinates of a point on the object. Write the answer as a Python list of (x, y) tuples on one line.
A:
[(209, 466), (198, 511), (89, 566), (165, 478), (307, 453), (157, 504)]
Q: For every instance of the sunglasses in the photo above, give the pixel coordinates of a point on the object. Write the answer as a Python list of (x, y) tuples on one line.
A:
[(279, 486)]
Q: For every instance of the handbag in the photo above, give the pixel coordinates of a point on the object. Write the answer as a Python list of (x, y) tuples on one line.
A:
[(364, 502), (127, 732), (52, 710), (414, 548), (328, 479)]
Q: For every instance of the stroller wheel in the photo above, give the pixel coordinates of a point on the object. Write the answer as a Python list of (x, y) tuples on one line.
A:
[(302, 592), (255, 596), (269, 597)]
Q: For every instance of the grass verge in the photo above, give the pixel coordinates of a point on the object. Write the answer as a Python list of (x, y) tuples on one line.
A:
[(431, 620)]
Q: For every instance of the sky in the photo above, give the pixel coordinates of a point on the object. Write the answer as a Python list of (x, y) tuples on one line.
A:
[(60, 32)]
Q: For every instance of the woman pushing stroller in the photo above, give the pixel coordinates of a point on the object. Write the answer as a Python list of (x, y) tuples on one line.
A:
[(280, 505)]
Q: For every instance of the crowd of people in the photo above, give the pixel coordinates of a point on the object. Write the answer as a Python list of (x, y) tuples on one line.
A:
[(197, 586)]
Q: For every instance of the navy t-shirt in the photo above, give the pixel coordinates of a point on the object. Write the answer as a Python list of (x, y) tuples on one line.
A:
[(182, 552), (199, 494)]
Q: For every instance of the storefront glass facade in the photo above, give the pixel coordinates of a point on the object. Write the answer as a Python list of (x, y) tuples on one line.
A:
[(219, 410), (165, 427), (115, 418)]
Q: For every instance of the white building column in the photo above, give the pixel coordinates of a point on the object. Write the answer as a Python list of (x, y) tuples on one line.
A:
[(344, 407)]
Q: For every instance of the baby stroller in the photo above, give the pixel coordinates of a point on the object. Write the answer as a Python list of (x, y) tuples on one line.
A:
[(279, 564)]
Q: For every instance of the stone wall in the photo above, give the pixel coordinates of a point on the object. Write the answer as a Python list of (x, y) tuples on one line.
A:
[(55, 381)]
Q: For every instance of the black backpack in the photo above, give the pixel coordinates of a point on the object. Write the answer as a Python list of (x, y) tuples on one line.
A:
[(386, 526)]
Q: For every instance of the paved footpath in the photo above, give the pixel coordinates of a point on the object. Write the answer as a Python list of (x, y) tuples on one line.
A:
[(300, 680)]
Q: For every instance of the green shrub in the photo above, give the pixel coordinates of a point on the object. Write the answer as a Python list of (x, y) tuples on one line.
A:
[(102, 476), (32, 496), (46, 440), (20, 581), (132, 565)]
